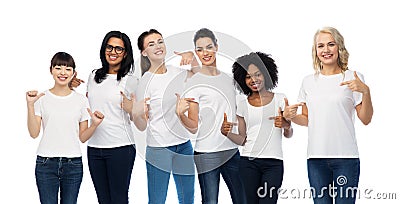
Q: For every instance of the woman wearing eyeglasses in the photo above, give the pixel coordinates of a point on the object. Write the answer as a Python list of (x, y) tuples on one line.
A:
[(111, 151)]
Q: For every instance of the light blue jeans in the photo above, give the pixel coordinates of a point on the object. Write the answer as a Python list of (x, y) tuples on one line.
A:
[(161, 162), (334, 179)]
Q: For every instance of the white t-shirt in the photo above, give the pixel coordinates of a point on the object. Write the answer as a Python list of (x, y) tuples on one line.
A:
[(331, 110), (264, 140), (164, 127), (115, 130), (61, 116), (216, 95)]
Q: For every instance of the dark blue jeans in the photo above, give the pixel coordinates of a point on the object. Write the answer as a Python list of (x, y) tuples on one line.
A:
[(160, 162), (334, 179), (262, 178), (210, 166), (111, 170), (58, 173)]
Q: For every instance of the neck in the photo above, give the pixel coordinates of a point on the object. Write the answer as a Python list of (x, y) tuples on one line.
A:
[(61, 90), (158, 68), (331, 70), (209, 70), (261, 93), (114, 69)]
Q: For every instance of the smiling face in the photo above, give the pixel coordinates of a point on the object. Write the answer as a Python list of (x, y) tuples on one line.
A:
[(115, 52), (62, 75), (327, 49), (154, 47), (254, 79), (206, 51)]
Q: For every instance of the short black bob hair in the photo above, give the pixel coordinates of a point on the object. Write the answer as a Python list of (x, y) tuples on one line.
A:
[(263, 62)]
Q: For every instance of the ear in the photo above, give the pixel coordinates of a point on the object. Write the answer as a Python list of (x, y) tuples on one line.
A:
[(144, 53), (216, 48)]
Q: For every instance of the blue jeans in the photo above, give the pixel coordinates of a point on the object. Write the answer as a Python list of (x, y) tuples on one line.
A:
[(334, 179), (210, 166), (262, 178), (160, 162), (111, 170), (58, 173)]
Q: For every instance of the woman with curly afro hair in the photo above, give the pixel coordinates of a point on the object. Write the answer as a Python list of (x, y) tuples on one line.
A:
[(261, 125)]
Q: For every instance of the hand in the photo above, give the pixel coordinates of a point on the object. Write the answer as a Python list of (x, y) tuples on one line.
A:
[(32, 96), (141, 108), (182, 104), (75, 82), (280, 121), (187, 57), (127, 104), (226, 126), (290, 112), (97, 117), (356, 85)]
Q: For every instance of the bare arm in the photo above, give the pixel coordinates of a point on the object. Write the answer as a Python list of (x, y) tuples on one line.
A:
[(33, 121), (365, 109), (226, 127), (84, 132), (302, 119)]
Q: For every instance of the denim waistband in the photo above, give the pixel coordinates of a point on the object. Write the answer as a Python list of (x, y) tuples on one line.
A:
[(59, 158)]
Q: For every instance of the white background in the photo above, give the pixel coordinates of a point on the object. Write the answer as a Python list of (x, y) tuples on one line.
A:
[(32, 31)]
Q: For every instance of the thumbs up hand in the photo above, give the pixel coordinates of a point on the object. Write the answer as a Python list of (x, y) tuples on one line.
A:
[(356, 85), (226, 126), (280, 121)]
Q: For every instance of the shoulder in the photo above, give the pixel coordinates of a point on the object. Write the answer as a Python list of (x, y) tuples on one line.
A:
[(280, 96)]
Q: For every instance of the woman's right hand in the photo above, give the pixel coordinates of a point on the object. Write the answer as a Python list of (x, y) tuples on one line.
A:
[(182, 104), (32, 96)]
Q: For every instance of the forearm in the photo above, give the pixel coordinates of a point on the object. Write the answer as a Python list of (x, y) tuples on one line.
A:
[(300, 120), (288, 132), (367, 110), (140, 122), (32, 122), (237, 138), (189, 124), (86, 134)]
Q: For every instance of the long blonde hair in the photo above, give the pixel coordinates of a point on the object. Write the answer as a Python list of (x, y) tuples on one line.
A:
[(339, 40)]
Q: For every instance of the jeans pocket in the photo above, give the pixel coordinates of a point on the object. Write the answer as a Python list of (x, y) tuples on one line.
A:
[(41, 160), (75, 161)]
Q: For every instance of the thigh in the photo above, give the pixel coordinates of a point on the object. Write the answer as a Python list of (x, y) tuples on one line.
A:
[(320, 177), (47, 180), (71, 179), (98, 172), (119, 170), (209, 186), (250, 176), (230, 174), (271, 181), (346, 173), (184, 172), (158, 165)]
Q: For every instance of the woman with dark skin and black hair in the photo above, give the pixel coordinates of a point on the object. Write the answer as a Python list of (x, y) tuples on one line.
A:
[(111, 150), (261, 165)]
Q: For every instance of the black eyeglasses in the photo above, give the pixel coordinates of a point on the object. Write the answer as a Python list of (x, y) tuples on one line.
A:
[(118, 49)]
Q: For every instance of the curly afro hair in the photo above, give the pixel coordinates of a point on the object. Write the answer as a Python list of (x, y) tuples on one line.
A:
[(263, 62)]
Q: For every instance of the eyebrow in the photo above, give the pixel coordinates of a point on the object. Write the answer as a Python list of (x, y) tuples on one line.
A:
[(206, 45)]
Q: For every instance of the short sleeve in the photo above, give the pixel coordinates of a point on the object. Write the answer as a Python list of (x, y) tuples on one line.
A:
[(38, 107), (84, 113), (131, 84), (281, 101), (357, 96), (140, 91), (241, 107), (302, 93)]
